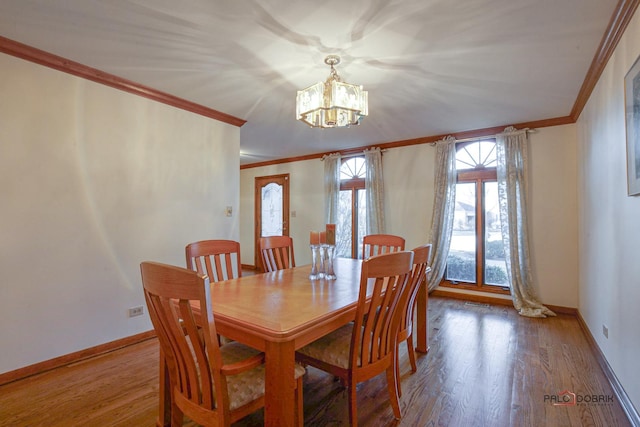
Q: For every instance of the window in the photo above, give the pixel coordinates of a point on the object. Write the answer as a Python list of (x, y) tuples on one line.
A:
[(476, 257), (352, 205)]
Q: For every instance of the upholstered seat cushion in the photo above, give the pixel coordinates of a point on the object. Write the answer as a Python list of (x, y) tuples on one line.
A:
[(332, 348), (247, 386)]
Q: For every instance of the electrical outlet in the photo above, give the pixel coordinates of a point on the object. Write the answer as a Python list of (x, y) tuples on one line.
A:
[(136, 311), (228, 211), (605, 331)]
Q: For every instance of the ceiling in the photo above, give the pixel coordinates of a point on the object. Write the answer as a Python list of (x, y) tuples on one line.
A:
[(431, 67)]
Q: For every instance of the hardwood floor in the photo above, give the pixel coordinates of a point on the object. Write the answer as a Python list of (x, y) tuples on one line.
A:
[(487, 366)]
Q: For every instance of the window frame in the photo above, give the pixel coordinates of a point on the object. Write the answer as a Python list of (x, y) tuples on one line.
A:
[(478, 175)]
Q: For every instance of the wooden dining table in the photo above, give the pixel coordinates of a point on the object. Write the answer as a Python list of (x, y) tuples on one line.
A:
[(280, 312)]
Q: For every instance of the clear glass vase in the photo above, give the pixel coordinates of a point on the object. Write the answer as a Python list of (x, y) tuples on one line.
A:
[(328, 254), (315, 262)]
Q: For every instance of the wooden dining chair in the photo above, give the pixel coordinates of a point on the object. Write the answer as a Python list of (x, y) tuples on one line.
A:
[(366, 347), (213, 385), (378, 244), (277, 253), (407, 307), (218, 259)]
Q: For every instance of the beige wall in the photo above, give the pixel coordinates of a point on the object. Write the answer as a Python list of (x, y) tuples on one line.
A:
[(92, 182), (408, 182), (609, 220)]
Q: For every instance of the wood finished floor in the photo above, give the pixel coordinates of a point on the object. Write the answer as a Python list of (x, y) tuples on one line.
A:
[(487, 366)]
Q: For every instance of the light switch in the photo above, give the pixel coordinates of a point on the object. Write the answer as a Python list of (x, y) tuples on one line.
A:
[(229, 211)]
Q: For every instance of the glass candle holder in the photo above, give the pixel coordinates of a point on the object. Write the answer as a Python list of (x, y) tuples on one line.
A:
[(328, 252), (315, 262), (322, 260)]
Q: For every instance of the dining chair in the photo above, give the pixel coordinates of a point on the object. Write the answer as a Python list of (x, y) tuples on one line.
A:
[(378, 244), (366, 347), (213, 385), (218, 259), (407, 307), (277, 253)]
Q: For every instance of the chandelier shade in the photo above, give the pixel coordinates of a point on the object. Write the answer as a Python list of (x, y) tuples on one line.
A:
[(332, 103)]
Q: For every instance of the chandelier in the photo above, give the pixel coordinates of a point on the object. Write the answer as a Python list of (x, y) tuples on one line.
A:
[(332, 103)]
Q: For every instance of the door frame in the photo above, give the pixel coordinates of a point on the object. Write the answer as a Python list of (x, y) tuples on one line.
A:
[(259, 182)]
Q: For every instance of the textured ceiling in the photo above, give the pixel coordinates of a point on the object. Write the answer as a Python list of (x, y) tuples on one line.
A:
[(431, 66)]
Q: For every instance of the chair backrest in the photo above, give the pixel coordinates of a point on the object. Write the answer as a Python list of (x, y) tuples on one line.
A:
[(187, 337), (378, 244), (277, 253), (218, 259), (418, 276), (382, 281)]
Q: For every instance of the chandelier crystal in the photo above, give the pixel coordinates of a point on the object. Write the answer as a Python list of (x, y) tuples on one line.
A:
[(332, 103)]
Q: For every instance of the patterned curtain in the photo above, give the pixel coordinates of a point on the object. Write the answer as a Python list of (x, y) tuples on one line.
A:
[(332, 163), (375, 191), (443, 208), (511, 150)]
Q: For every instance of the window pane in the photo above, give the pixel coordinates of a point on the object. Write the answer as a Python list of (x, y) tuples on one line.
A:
[(343, 228), (461, 263), (271, 210), (353, 168), (495, 267), (476, 155), (362, 219)]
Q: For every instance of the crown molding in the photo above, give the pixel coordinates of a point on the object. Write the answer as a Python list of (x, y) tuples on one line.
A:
[(19, 50), (617, 24)]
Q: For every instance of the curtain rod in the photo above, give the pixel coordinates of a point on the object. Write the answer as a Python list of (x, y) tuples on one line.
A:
[(481, 138), (346, 156)]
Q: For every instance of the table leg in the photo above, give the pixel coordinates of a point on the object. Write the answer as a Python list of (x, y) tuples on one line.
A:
[(280, 384), (164, 405), (422, 327)]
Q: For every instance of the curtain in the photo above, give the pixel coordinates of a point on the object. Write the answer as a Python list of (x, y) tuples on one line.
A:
[(443, 208), (332, 165), (511, 151), (375, 191)]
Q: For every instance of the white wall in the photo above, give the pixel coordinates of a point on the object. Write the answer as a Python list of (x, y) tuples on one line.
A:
[(609, 220), (92, 182), (408, 183)]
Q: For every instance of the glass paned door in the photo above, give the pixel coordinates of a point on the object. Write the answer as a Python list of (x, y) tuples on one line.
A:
[(461, 263), (271, 209), (344, 238), (495, 267), (271, 212)]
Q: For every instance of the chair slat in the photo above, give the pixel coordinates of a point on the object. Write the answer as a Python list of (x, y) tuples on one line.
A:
[(277, 253), (379, 244)]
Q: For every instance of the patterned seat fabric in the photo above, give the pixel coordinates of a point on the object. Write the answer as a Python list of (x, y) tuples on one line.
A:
[(250, 385)]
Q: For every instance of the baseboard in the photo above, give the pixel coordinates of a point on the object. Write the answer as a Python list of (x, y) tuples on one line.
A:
[(618, 390), (67, 359), (487, 299), (481, 298)]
